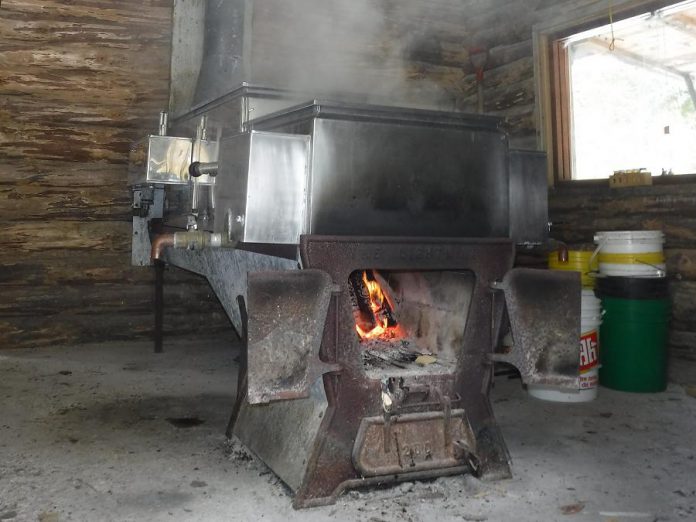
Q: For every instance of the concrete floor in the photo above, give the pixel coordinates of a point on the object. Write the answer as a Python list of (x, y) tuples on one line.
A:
[(85, 435)]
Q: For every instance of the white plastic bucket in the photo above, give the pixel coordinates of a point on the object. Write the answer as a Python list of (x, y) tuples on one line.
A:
[(590, 319), (637, 253)]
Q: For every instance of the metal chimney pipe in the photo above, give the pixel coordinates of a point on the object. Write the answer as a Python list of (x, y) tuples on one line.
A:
[(222, 49)]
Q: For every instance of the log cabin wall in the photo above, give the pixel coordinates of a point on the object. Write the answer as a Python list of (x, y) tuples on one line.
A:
[(80, 81)]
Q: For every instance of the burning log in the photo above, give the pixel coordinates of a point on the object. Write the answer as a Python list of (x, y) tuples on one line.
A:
[(364, 318), (374, 308)]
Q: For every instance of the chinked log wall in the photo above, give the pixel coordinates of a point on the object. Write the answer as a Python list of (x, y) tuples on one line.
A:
[(80, 81)]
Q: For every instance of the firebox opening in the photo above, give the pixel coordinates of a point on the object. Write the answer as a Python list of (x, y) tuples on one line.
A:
[(410, 321)]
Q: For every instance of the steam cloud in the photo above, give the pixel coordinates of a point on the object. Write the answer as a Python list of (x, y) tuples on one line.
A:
[(361, 50)]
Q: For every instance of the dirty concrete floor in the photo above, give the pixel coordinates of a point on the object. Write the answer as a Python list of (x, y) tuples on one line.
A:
[(115, 432)]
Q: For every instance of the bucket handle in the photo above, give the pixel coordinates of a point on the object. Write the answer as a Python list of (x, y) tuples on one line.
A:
[(658, 270), (600, 245), (592, 274)]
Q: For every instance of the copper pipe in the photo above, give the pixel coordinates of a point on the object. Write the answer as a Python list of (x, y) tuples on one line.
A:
[(162, 241)]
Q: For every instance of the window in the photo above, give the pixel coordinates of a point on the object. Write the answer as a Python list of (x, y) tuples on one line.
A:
[(622, 95)]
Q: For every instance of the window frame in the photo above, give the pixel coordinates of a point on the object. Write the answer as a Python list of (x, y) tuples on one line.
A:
[(552, 76)]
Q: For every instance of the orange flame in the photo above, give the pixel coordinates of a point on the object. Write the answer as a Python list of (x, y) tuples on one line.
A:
[(378, 305)]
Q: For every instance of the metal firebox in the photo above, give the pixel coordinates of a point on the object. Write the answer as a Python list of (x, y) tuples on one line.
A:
[(325, 417), (364, 255)]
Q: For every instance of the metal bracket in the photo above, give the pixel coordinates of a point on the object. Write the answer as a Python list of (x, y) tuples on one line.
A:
[(148, 204), (226, 270), (544, 311), (287, 315)]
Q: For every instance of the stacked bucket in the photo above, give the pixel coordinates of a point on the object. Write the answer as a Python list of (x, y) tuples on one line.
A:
[(634, 290), (591, 317)]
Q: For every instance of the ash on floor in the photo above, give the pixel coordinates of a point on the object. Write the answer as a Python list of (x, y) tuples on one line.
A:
[(115, 432)]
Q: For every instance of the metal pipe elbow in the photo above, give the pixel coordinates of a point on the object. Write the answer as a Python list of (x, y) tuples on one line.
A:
[(160, 242)]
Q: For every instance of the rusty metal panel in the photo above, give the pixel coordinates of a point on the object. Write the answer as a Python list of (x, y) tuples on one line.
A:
[(544, 311), (413, 442), (226, 270), (287, 313), (284, 434)]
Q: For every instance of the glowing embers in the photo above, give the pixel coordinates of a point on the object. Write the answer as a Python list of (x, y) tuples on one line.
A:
[(410, 322), (374, 307)]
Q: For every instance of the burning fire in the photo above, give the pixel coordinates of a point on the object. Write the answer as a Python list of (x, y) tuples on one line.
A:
[(381, 310)]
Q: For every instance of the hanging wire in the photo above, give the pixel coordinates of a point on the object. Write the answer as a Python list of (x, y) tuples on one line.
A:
[(612, 44)]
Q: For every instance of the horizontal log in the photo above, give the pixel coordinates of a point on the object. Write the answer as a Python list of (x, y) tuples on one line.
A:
[(25, 203), (57, 267), (580, 210), (81, 267), (138, 13), (27, 301), (684, 302), (53, 132), (125, 114), (31, 172), (642, 199), (680, 233), (500, 55), (79, 82), (37, 331), (681, 263), (683, 344), (36, 236)]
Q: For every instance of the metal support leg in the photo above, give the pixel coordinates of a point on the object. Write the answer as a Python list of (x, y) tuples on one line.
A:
[(242, 374), (159, 305)]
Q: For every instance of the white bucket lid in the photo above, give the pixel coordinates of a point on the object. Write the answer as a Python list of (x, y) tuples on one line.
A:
[(630, 235)]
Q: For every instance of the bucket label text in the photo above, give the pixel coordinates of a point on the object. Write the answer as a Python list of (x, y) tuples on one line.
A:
[(589, 351)]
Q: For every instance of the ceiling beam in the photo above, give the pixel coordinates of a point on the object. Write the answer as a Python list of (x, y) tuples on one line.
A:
[(690, 86), (673, 22), (635, 59), (649, 63)]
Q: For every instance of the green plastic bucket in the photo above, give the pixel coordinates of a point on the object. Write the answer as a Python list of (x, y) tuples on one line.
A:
[(634, 333)]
